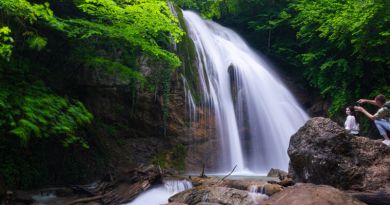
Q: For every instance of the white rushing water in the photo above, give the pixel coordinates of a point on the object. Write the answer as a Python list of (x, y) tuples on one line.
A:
[(257, 195), (254, 112), (159, 195), (44, 198)]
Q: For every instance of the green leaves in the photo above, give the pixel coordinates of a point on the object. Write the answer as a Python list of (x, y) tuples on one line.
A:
[(6, 43), (36, 42), (26, 11), (211, 8), (345, 46), (109, 33), (141, 24), (40, 114), (114, 69)]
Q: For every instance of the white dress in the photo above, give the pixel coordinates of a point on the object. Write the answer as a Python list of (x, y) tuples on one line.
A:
[(351, 126)]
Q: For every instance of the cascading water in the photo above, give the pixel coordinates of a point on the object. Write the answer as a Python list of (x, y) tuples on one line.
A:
[(159, 195), (256, 194), (255, 114)]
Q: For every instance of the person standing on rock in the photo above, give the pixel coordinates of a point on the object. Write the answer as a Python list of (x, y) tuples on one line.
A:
[(381, 117), (351, 124)]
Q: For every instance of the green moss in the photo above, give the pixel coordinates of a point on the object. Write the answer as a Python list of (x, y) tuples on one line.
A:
[(173, 158), (187, 54)]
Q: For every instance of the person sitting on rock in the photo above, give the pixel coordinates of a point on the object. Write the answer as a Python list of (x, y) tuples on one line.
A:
[(351, 124), (381, 117)]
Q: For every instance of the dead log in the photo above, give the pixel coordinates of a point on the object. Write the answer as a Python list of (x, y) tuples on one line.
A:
[(123, 188), (86, 199)]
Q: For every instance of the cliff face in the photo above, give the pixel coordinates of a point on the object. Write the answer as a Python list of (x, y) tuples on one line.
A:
[(129, 126), (128, 121)]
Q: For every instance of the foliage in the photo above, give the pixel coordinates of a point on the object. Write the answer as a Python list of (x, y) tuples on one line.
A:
[(139, 23), (341, 47), (27, 12), (211, 8), (6, 43), (44, 43), (345, 45), (39, 113)]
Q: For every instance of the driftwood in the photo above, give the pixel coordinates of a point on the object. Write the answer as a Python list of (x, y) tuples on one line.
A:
[(121, 189), (231, 172), (86, 199)]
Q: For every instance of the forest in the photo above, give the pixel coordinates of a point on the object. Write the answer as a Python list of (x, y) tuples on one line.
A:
[(341, 48)]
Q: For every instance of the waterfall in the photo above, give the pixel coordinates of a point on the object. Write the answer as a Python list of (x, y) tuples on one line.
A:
[(160, 194), (257, 197), (175, 186), (254, 113)]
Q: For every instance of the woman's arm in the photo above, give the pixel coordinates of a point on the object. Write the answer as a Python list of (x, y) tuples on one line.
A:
[(364, 111)]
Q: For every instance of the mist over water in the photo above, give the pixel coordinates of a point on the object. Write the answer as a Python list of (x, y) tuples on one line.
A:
[(255, 113)]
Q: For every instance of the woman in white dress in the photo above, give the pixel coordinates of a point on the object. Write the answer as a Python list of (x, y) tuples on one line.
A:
[(351, 124)]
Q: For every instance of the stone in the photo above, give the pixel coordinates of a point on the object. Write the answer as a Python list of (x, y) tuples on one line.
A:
[(277, 173), (286, 182), (378, 197), (214, 194), (321, 152), (243, 184), (205, 181), (308, 194), (271, 189)]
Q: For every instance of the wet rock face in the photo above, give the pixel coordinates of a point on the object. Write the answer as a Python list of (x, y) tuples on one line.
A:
[(322, 153), (307, 194), (218, 195)]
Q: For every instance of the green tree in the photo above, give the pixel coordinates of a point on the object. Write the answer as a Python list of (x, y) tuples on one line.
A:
[(344, 47), (40, 41)]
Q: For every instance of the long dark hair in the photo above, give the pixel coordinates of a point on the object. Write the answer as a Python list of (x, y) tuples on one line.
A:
[(353, 113)]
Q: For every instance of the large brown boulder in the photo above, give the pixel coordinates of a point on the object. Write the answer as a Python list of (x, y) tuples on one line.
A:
[(218, 195), (308, 194), (322, 153)]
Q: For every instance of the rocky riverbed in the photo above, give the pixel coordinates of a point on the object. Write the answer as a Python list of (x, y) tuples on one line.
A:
[(327, 166)]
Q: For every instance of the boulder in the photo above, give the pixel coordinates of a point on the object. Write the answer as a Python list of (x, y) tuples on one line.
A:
[(205, 181), (277, 173), (243, 184), (308, 194), (271, 189), (378, 197), (321, 152), (286, 182), (214, 194)]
